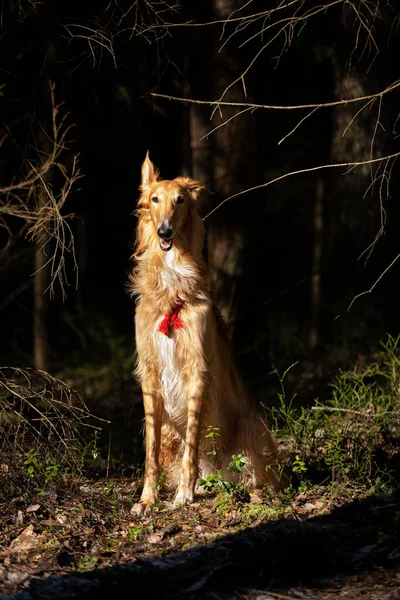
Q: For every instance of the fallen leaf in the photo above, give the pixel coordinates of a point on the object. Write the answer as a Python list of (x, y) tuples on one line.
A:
[(17, 577), (255, 498), (154, 538), (62, 519), (52, 523), (233, 518), (25, 541)]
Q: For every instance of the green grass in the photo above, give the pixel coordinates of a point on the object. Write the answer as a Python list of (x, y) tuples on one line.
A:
[(353, 434)]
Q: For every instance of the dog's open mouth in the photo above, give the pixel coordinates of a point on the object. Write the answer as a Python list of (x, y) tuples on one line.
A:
[(166, 244)]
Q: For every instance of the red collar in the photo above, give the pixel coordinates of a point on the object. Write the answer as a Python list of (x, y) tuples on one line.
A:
[(171, 322)]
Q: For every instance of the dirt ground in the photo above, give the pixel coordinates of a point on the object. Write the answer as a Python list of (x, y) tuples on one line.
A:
[(322, 544)]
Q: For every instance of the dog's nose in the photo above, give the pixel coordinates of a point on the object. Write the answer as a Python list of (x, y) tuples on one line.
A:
[(165, 230)]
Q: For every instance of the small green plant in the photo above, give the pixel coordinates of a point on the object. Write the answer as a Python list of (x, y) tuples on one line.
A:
[(277, 470), (213, 434), (52, 544), (45, 470), (285, 416), (215, 482), (51, 472), (299, 467), (87, 562), (134, 533), (32, 464), (337, 459), (384, 483), (237, 464), (160, 481)]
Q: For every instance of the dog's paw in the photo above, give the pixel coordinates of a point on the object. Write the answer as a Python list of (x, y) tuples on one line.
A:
[(182, 498), (141, 508)]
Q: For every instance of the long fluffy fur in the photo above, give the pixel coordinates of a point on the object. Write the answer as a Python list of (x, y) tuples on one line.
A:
[(188, 380)]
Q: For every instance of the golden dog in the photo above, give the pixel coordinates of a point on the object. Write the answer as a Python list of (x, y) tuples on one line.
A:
[(185, 364)]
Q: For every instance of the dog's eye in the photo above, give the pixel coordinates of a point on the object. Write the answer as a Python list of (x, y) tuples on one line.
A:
[(180, 199), (154, 199)]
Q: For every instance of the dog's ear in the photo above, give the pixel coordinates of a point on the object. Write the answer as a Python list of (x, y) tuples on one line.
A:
[(194, 188), (149, 174)]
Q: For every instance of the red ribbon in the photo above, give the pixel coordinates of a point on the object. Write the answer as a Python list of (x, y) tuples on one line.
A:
[(171, 322)]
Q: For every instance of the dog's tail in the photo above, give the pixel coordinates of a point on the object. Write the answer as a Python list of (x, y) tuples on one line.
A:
[(255, 441), (250, 437)]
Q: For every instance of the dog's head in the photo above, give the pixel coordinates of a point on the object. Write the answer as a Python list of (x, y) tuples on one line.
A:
[(170, 202)]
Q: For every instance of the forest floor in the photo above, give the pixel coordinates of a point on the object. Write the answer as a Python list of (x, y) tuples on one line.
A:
[(322, 544), (333, 533)]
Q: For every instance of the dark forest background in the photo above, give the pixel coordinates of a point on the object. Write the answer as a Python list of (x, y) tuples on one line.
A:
[(287, 259)]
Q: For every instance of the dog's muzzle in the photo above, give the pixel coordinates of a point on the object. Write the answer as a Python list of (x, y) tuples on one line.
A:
[(165, 235)]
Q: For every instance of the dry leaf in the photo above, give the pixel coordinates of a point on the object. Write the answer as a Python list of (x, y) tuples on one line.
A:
[(52, 523), (255, 498), (154, 538), (25, 541), (62, 519)]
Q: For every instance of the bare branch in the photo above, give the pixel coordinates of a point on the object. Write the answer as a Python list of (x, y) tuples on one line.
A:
[(375, 284), (241, 112), (351, 166), (46, 222), (343, 102), (356, 412), (36, 408)]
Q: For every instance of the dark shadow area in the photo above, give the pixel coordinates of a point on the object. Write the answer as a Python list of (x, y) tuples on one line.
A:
[(358, 536)]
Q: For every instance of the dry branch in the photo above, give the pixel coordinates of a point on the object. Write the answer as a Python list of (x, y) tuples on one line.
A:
[(368, 415), (38, 410), (352, 165), (343, 102), (44, 222)]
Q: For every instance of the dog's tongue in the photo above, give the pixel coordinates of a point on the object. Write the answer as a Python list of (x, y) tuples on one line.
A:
[(165, 244)]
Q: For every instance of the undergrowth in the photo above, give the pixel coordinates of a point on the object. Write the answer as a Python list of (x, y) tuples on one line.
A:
[(348, 441), (352, 436), (46, 432), (347, 445), (103, 372)]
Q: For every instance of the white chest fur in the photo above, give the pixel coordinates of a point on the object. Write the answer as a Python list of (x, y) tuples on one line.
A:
[(172, 382), (175, 271)]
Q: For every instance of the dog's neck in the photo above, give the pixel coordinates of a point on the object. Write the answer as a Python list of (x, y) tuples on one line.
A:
[(180, 274)]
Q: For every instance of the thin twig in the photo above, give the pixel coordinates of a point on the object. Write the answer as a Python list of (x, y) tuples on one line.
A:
[(46, 225), (356, 412), (343, 102), (375, 284), (309, 170)]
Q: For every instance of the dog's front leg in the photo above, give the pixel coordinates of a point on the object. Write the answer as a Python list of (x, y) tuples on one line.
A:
[(189, 469), (153, 415)]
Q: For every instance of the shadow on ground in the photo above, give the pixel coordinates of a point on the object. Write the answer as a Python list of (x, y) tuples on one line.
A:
[(358, 536)]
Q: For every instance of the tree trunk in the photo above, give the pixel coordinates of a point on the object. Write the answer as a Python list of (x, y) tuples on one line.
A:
[(42, 246), (232, 171), (316, 265), (41, 281), (352, 212)]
